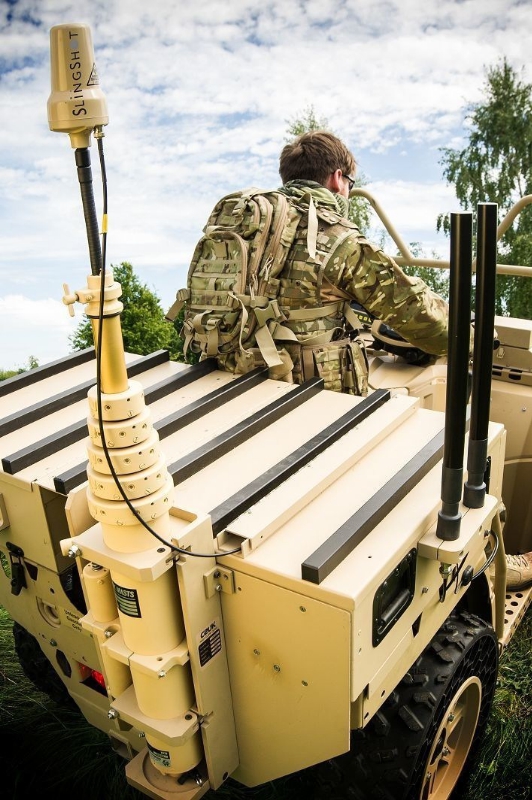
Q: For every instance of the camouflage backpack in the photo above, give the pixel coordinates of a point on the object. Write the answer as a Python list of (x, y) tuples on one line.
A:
[(232, 311), (232, 282)]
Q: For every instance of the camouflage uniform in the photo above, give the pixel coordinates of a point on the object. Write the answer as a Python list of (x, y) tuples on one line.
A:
[(362, 271), (329, 265)]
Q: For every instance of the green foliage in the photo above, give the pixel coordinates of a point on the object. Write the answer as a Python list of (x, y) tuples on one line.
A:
[(305, 122), (144, 327), (496, 166), (436, 279), (9, 373), (359, 208)]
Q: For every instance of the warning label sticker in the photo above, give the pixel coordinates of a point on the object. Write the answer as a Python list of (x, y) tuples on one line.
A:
[(160, 758), (93, 77), (72, 619), (209, 642), (127, 601)]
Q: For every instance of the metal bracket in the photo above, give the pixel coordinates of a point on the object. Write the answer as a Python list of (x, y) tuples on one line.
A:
[(219, 579), (4, 519)]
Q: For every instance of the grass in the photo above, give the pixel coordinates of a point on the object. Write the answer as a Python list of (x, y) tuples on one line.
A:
[(45, 748), (502, 770)]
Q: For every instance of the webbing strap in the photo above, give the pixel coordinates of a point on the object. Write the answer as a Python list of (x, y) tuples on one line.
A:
[(180, 299), (282, 333), (316, 312), (243, 320), (325, 337), (312, 230), (271, 252), (267, 347), (351, 317), (307, 363)]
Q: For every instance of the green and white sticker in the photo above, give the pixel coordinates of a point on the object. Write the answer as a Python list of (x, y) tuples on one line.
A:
[(161, 758), (6, 564)]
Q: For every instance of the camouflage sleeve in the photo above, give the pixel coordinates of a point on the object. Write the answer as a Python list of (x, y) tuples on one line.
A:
[(405, 304)]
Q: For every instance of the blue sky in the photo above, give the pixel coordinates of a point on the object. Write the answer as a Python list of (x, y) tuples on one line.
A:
[(200, 96)]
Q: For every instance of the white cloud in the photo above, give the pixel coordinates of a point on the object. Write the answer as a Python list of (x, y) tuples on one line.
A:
[(199, 96), (38, 328)]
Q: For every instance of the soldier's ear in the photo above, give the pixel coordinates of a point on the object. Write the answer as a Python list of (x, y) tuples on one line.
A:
[(334, 181)]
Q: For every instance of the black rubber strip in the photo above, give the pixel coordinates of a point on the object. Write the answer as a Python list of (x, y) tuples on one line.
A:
[(49, 406), (78, 430), (198, 408), (46, 371), (344, 540), (249, 495), (75, 475), (214, 449)]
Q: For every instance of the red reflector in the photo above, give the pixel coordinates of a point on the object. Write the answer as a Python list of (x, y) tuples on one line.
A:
[(84, 670), (98, 677)]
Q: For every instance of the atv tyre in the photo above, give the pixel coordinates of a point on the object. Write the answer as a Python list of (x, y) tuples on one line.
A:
[(416, 746), (37, 668)]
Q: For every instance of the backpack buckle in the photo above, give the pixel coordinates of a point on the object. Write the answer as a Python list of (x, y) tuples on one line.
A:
[(271, 311)]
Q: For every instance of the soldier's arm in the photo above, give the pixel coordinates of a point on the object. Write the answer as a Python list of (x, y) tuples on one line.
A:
[(406, 304)]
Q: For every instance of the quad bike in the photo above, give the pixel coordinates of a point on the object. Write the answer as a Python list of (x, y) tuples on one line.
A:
[(234, 576)]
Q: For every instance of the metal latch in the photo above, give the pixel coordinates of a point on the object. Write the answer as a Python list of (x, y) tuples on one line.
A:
[(219, 579), (18, 577)]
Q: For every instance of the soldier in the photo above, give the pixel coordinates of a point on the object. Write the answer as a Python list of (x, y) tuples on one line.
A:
[(318, 172), (302, 291)]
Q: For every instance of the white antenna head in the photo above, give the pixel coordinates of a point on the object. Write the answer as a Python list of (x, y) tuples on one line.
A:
[(76, 104)]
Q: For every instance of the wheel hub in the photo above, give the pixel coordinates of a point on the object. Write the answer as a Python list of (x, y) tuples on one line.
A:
[(452, 741)]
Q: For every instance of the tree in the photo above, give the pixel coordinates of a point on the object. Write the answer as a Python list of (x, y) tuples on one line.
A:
[(436, 279), (359, 208), (9, 373), (496, 166), (144, 327), (307, 121)]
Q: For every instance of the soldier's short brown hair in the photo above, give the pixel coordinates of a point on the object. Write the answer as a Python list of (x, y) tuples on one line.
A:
[(314, 156)]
